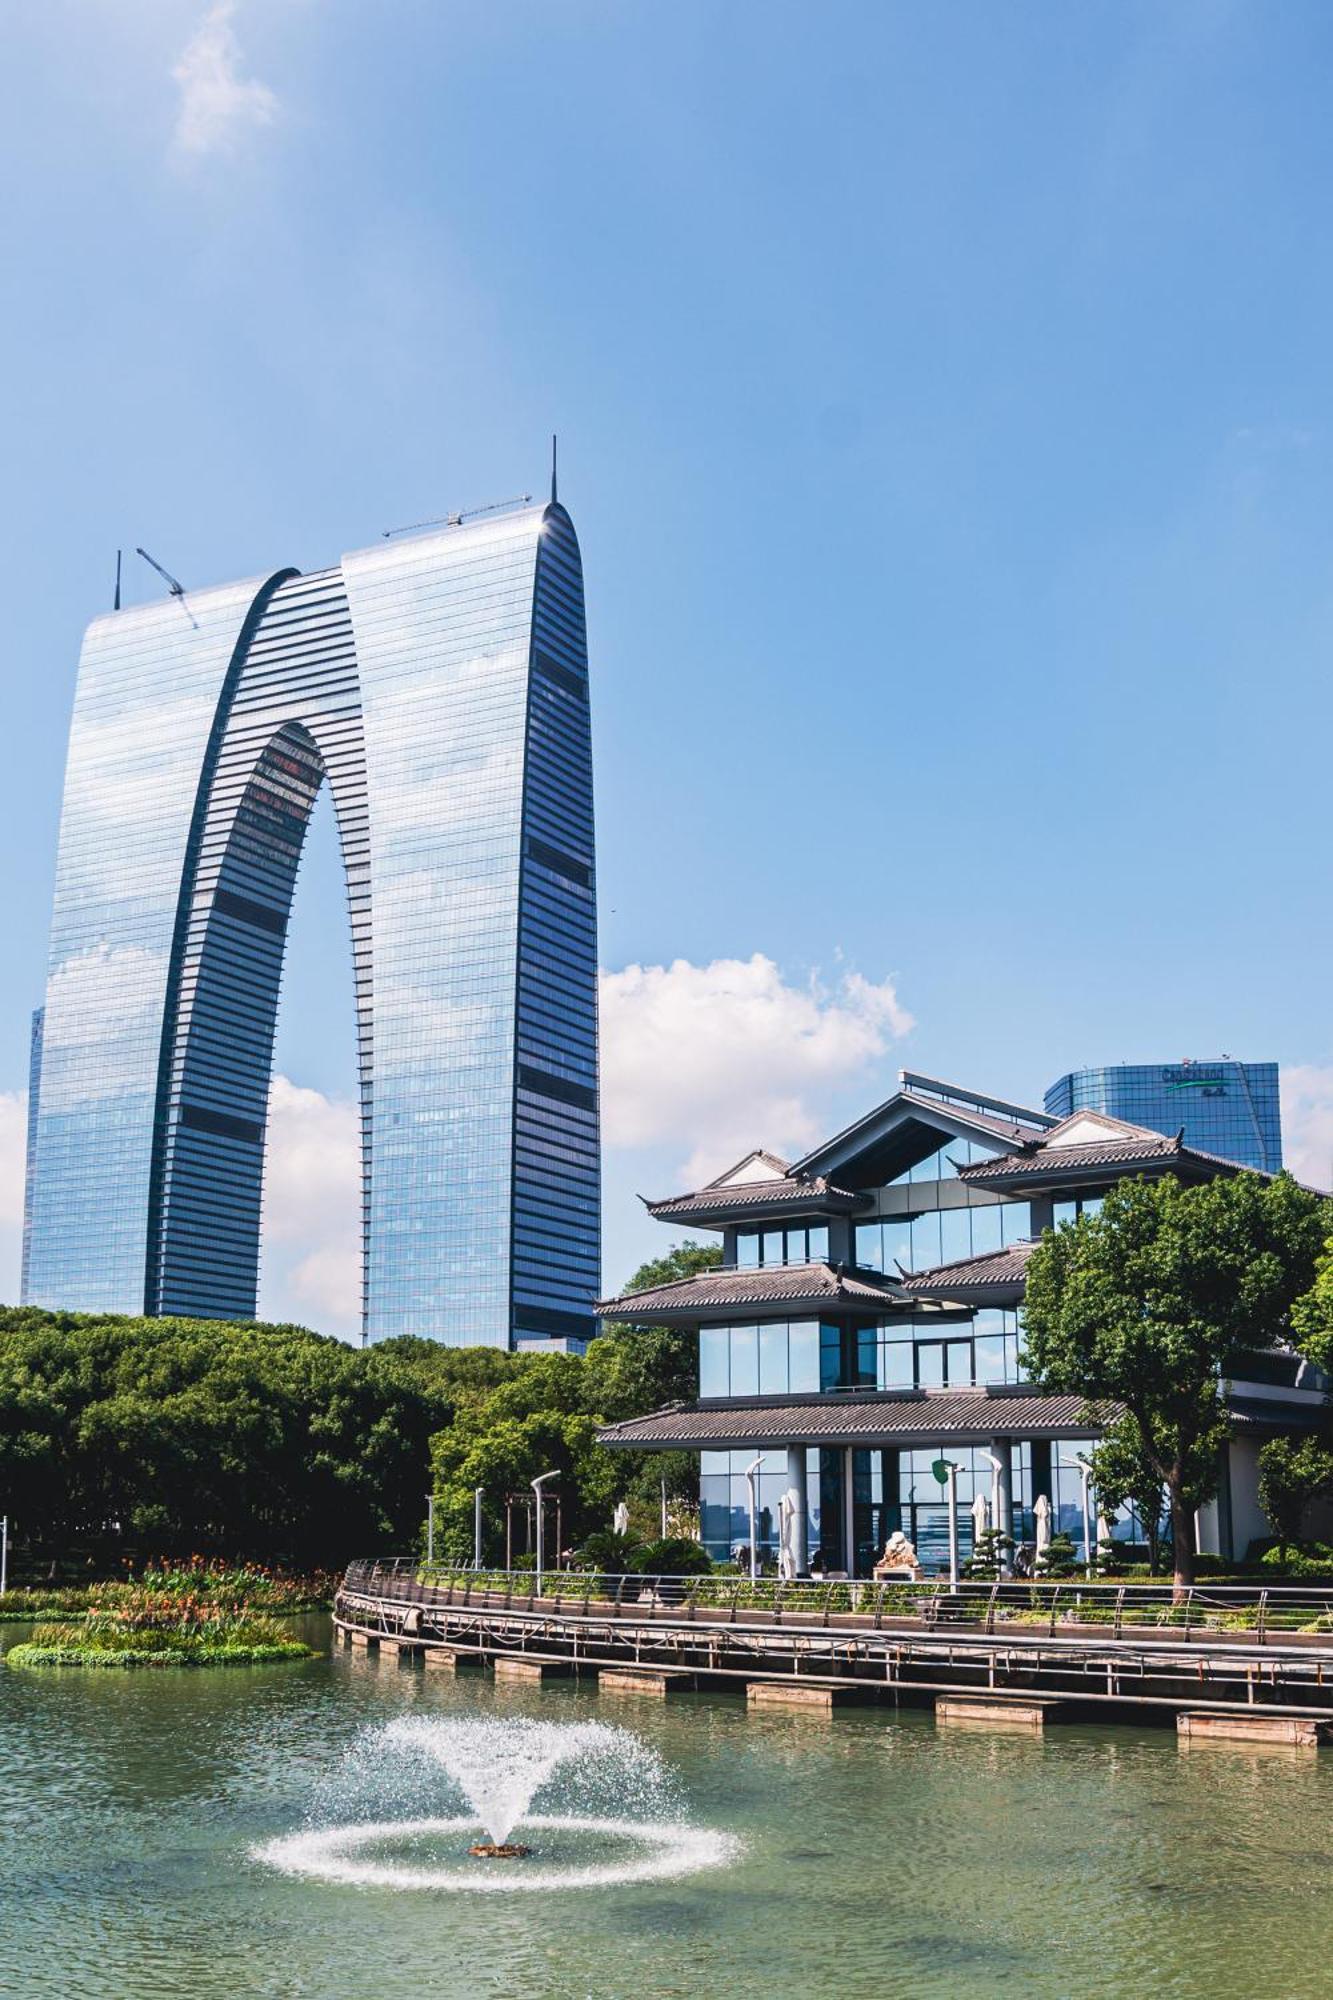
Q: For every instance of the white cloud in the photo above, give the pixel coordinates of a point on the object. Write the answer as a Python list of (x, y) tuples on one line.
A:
[(13, 1149), (310, 1265), (217, 103), (723, 1057), (1307, 1122)]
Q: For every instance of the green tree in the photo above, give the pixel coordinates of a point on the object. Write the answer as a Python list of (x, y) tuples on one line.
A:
[(1141, 1308), (1123, 1473), (1312, 1314), (175, 1437), (1292, 1473)]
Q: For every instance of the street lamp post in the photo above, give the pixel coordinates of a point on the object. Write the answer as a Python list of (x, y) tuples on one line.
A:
[(953, 1525), (537, 1485), (1084, 1470), (477, 1492), (430, 1528), (996, 1467), (750, 1474), (4, 1555)]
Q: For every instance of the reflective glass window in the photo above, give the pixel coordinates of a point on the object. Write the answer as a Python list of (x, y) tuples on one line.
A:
[(896, 1239), (747, 1248), (773, 1251), (830, 1357), (930, 1364), (772, 1359), (896, 1364), (818, 1244), (744, 1361), (803, 1357), (987, 1229), (714, 1365), (955, 1234), (926, 1250), (869, 1250), (1015, 1220), (990, 1358), (958, 1363)]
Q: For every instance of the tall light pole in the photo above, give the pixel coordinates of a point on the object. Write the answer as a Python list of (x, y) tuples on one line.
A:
[(430, 1528), (4, 1555), (477, 1492), (953, 1525), (995, 1469), (750, 1475), (537, 1485), (1084, 1470)]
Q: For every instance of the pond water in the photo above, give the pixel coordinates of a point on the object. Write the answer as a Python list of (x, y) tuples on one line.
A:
[(869, 1853)]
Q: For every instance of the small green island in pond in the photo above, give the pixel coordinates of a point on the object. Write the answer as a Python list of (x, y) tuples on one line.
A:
[(193, 1615)]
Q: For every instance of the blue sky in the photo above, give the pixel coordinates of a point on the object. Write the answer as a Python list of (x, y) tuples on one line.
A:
[(946, 414)]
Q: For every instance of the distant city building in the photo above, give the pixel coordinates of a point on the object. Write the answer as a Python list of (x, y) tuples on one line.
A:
[(863, 1328), (439, 683), (1228, 1108)]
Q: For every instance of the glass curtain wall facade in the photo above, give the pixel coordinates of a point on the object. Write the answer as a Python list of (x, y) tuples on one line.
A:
[(1227, 1108), (440, 686)]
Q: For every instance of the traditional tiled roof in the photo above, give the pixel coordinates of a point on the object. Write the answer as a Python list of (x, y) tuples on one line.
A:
[(789, 1193), (1118, 1148), (909, 1419), (992, 1268), (789, 1285), (1273, 1413)]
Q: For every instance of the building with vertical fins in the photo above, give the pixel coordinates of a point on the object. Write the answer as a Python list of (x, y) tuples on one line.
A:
[(1224, 1107), (438, 683)]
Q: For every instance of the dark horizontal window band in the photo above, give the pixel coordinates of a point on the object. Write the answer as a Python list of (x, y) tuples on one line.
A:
[(572, 683), (536, 1319), (542, 1085), (561, 864), (199, 1119)]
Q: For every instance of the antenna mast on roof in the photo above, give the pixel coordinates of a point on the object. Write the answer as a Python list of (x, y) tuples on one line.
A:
[(554, 448), (116, 605)]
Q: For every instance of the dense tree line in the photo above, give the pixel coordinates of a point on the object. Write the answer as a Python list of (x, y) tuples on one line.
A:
[(157, 1437), (170, 1436)]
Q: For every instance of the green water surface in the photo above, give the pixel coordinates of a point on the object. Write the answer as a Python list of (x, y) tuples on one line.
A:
[(881, 1856)]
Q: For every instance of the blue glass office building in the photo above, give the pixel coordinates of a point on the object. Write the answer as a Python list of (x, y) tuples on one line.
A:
[(439, 685), (1228, 1108)]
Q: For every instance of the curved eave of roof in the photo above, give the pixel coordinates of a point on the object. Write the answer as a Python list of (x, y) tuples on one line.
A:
[(907, 1419), (1056, 1166), (985, 1277), (758, 1199), (752, 1293)]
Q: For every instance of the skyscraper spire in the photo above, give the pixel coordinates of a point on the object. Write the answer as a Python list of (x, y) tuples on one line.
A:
[(554, 494)]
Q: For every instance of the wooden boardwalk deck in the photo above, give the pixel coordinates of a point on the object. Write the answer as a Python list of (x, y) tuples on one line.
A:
[(1136, 1674)]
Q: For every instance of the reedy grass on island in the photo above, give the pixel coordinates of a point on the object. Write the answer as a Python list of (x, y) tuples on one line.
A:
[(179, 1636), (224, 1587)]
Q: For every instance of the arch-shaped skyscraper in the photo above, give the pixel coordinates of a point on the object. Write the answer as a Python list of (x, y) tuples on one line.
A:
[(439, 685)]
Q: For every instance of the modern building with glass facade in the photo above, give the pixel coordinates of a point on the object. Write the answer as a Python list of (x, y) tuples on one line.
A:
[(864, 1325), (438, 683), (1229, 1108)]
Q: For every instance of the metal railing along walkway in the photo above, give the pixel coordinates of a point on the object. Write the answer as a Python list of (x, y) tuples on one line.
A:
[(1216, 1613)]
